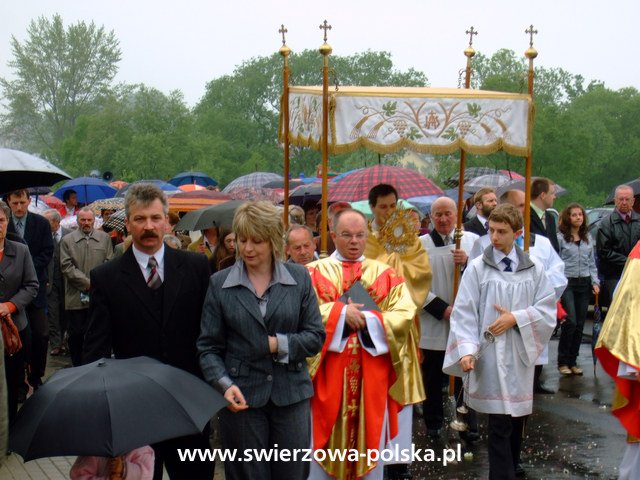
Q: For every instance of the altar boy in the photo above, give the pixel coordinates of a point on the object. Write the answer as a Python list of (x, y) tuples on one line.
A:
[(506, 293)]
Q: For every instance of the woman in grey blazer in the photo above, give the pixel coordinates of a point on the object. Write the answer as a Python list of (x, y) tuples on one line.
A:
[(18, 288), (260, 322)]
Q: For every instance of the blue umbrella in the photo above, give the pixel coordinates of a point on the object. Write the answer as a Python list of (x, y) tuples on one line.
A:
[(198, 178), (89, 189), (168, 188)]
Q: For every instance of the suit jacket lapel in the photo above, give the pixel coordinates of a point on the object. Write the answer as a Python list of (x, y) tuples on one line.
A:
[(172, 281), (277, 295), (132, 276), (248, 301)]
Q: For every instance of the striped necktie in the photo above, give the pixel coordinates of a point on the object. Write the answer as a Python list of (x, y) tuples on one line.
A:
[(154, 281), (19, 227)]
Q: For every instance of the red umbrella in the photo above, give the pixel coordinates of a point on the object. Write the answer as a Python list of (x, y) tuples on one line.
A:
[(408, 183), (511, 174)]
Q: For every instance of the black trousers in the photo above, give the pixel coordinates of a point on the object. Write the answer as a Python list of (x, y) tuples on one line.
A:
[(78, 323), (261, 428), (57, 319), (505, 440), (166, 454), (39, 344), (433, 378), (14, 371), (575, 301)]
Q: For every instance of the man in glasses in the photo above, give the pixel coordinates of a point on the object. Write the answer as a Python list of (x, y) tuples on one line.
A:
[(361, 376)]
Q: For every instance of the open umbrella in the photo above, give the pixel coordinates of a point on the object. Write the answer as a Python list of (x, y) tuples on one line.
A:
[(107, 204), (520, 184), (214, 216), (306, 192), (110, 407), (197, 178), (167, 188), (635, 184), (21, 170), (189, 201), (256, 179), (116, 222), (256, 193), (89, 189), (191, 187), (407, 181), (597, 326), (493, 180), (469, 173), (511, 174), (280, 184)]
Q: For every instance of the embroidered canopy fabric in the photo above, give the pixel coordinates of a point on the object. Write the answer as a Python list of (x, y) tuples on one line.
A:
[(428, 120)]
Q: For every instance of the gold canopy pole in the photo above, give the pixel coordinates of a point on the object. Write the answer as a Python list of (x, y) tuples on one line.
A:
[(530, 53), (285, 51), (469, 52), (325, 50)]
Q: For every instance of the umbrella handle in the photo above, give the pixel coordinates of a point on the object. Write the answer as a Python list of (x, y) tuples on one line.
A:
[(117, 468), (597, 302)]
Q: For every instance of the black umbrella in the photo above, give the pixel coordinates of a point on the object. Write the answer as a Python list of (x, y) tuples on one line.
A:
[(305, 193), (22, 170), (214, 216), (635, 184), (110, 407), (280, 184)]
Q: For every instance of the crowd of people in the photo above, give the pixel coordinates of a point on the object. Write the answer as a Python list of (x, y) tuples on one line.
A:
[(310, 352)]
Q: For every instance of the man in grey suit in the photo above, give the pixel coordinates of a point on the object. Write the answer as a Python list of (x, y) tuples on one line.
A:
[(80, 252)]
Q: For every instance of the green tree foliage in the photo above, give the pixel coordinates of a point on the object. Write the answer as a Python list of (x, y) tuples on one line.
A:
[(252, 94), (60, 74)]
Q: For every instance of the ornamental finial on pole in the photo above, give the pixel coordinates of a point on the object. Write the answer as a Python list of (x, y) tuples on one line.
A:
[(325, 48), (284, 50), (469, 51), (531, 52)]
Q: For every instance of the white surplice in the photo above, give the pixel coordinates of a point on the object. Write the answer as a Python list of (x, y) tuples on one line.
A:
[(630, 465), (434, 332), (502, 381), (553, 268)]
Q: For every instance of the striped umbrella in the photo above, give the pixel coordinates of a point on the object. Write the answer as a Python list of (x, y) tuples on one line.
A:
[(407, 181), (256, 179)]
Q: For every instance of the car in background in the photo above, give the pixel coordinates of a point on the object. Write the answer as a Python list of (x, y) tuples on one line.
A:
[(595, 216)]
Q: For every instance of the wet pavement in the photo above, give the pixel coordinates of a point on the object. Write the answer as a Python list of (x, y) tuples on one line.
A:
[(571, 434)]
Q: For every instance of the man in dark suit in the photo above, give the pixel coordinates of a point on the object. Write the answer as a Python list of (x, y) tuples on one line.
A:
[(36, 232), (55, 288), (485, 201), (543, 194), (149, 302)]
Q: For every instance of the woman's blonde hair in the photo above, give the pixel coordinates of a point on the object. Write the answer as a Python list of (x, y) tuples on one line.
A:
[(260, 221)]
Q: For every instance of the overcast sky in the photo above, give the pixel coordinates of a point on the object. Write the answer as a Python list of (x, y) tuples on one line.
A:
[(182, 45)]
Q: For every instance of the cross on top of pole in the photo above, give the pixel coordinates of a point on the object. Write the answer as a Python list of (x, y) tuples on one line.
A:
[(325, 26), (283, 31), (471, 32), (531, 33)]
